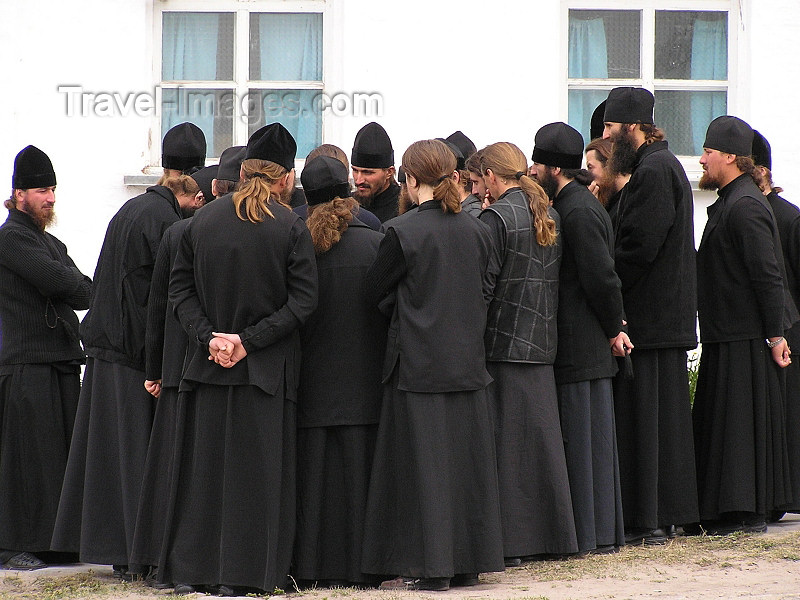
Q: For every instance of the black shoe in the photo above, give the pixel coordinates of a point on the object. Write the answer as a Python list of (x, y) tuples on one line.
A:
[(121, 572), (181, 589), (649, 537), (513, 561), (464, 580), (671, 530), (23, 561), (227, 591), (730, 527), (430, 584)]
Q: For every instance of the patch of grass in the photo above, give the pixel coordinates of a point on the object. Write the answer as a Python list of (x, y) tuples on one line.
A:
[(79, 585)]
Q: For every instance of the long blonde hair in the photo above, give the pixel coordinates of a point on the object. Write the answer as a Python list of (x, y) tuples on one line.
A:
[(508, 162), (256, 189)]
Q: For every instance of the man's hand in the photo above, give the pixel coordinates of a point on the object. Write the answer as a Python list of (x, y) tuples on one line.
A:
[(620, 345), (781, 354), (226, 349), (153, 387)]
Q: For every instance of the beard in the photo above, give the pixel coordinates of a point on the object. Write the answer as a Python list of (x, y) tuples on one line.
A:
[(41, 217), (404, 201), (548, 184), (707, 182), (623, 155), (363, 197)]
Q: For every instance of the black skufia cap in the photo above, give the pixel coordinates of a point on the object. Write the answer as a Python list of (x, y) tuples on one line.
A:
[(274, 143), (464, 144), (203, 177), (460, 162), (324, 178), (762, 151), (401, 175), (32, 169), (184, 147), (558, 145), (597, 124), (730, 135), (372, 148), (629, 105), (230, 163)]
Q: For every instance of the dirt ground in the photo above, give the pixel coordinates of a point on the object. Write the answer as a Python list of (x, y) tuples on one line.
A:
[(765, 566)]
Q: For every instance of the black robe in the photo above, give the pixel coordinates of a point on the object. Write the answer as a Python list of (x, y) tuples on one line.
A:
[(738, 413), (344, 340), (236, 428), (433, 507), (787, 217), (40, 358), (654, 256), (165, 351), (589, 314), (100, 497)]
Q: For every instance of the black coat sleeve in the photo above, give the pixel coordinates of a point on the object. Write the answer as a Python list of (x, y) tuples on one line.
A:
[(302, 294), (753, 233), (497, 233), (183, 294), (595, 268), (387, 269), (52, 278), (646, 215), (157, 313)]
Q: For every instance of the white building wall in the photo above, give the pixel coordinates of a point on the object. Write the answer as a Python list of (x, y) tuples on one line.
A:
[(492, 69)]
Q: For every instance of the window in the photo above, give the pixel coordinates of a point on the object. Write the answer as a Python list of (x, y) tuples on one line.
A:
[(680, 55), (231, 67)]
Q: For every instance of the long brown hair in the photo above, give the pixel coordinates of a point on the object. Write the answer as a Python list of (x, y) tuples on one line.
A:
[(328, 221), (182, 185), (431, 162), (256, 192), (508, 162)]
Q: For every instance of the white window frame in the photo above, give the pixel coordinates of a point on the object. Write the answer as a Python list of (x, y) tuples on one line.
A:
[(331, 47), (647, 80)]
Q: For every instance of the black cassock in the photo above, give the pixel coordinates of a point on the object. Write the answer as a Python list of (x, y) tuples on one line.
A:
[(230, 516)]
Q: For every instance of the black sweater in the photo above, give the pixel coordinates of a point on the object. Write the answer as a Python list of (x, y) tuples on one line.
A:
[(41, 289)]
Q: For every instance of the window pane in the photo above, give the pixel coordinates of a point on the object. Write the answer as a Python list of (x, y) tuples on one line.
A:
[(211, 110), (684, 117), (286, 46), (297, 110), (604, 44), (197, 46), (581, 106), (691, 45)]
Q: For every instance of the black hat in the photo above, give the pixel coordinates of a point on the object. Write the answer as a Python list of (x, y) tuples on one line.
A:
[(372, 148), (629, 105), (324, 178), (730, 135), (401, 175), (456, 152), (203, 177), (230, 163), (597, 124), (762, 151), (558, 145), (464, 144), (32, 169), (273, 142), (184, 147)]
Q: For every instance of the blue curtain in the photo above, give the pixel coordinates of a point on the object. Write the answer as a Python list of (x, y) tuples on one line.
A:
[(709, 61), (588, 58), (291, 50), (189, 52)]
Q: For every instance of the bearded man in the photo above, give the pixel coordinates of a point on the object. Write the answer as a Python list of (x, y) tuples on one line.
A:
[(654, 257), (744, 310), (372, 163), (40, 358)]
